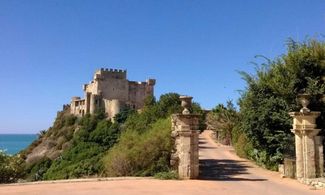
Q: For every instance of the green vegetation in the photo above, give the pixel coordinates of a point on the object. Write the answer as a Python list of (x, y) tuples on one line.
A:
[(10, 168), (272, 93), (136, 144), (223, 120), (139, 143), (144, 147), (141, 153), (90, 137), (262, 130), (166, 175)]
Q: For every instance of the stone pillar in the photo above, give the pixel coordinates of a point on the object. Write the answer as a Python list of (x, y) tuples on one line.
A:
[(185, 157), (304, 128), (319, 156), (299, 155), (289, 168)]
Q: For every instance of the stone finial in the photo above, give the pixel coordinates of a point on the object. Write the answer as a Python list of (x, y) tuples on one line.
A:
[(186, 104), (304, 101)]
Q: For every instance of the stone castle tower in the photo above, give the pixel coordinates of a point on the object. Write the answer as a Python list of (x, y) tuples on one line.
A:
[(111, 90)]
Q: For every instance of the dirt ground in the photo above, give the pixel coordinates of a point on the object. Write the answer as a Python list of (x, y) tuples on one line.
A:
[(221, 172)]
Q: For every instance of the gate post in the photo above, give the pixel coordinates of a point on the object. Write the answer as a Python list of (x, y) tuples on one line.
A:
[(307, 151), (185, 155)]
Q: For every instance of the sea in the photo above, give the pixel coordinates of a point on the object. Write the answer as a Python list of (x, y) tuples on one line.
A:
[(13, 143)]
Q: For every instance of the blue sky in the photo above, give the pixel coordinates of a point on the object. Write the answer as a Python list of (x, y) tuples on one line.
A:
[(49, 48)]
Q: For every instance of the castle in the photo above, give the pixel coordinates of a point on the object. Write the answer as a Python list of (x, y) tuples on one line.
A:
[(111, 91)]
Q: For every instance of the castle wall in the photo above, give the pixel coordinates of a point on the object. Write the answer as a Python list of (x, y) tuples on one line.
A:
[(92, 87), (110, 90), (113, 107), (77, 106), (136, 94), (138, 91), (114, 89)]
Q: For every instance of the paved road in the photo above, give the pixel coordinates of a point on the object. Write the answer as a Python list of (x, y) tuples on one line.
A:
[(220, 164), (222, 173)]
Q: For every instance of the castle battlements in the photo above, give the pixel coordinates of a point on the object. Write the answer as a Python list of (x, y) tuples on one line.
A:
[(105, 73), (111, 90), (111, 70)]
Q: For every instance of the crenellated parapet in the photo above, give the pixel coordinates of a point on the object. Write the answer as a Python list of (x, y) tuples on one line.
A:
[(105, 73), (111, 70)]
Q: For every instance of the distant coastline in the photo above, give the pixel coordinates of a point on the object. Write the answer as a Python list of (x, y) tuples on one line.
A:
[(13, 143)]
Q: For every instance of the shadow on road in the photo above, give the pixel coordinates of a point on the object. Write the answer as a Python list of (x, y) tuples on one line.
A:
[(225, 170), (202, 142), (207, 147)]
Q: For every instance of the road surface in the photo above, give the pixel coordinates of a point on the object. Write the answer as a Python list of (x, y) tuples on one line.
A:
[(221, 173)]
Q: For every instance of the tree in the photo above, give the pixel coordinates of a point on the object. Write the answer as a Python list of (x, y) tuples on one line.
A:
[(223, 119), (271, 93)]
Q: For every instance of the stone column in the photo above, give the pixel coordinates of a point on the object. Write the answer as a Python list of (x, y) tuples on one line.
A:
[(299, 155), (304, 128), (319, 156), (185, 157)]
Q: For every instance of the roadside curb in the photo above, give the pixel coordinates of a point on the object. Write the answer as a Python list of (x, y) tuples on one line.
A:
[(77, 181)]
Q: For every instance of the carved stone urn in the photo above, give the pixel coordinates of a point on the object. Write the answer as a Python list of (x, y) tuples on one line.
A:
[(304, 101), (186, 104)]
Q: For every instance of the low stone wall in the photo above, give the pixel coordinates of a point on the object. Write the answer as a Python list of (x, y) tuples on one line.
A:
[(317, 183), (289, 168)]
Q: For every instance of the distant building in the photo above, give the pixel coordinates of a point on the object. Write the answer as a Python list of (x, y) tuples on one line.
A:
[(111, 91)]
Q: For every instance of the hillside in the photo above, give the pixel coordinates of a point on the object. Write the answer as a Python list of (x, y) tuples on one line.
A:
[(138, 143), (52, 142)]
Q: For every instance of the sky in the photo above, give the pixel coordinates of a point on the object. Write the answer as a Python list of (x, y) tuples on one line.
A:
[(49, 48)]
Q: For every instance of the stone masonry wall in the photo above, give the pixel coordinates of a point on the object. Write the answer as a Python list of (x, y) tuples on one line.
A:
[(111, 90), (185, 157)]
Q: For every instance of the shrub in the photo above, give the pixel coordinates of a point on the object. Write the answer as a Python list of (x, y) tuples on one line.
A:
[(105, 133), (10, 168), (78, 161), (166, 175), (35, 172), (141, 154), (271, 94)]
